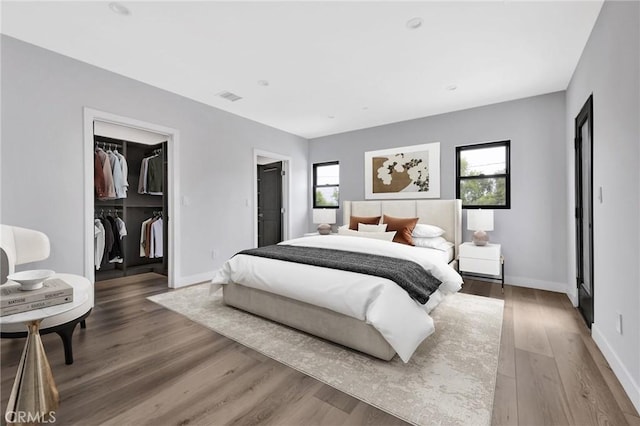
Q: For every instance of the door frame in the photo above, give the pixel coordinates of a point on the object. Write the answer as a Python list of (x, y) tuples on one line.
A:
[(173, 186), (586, 113), (287, 166)]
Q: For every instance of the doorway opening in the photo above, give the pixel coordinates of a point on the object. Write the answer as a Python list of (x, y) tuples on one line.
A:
[(272, 220), (170, 210), (584, 210)]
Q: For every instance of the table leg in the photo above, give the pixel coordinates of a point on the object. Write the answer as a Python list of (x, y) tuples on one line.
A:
[(34, 397), (502, 266)]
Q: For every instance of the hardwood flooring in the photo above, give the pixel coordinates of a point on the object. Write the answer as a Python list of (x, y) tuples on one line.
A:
[(138, 363)]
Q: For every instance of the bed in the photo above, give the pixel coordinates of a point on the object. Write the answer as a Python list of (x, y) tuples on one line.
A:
[(369, 314)]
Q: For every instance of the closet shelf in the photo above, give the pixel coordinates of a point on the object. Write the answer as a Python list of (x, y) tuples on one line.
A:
[(101, 204)]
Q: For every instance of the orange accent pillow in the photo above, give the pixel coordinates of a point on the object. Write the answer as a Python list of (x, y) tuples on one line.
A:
[(403, 227), (355, 220)]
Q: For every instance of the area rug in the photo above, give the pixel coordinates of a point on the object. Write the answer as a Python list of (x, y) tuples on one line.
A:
[(450, 380)]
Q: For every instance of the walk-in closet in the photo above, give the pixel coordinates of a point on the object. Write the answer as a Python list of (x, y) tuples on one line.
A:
[(130, 202)]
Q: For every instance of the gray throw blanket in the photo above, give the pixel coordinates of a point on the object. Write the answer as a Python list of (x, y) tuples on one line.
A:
[(412, 277)]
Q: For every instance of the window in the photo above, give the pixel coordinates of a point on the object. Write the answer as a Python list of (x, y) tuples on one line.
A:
[(482, 175), (326, 185)]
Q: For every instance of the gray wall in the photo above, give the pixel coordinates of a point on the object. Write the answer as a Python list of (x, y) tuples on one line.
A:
[(43, 95), (533, 232), (610, 69)]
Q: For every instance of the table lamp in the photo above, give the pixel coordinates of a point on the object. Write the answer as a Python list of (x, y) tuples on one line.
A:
[(480, 221), (325, 217)]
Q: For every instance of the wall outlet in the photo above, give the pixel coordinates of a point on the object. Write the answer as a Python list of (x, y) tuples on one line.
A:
[(619, 322), (215, 253)]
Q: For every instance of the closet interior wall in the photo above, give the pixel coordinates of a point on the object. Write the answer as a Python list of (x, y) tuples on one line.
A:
[(134, 210)]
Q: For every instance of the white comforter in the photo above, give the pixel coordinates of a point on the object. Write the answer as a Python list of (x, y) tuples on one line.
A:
[(402, 321)]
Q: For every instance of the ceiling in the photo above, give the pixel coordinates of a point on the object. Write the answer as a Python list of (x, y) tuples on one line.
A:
[(331, 66)]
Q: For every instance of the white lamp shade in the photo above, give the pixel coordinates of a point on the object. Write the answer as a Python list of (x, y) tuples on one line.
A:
[(480, 220), (324, 216)]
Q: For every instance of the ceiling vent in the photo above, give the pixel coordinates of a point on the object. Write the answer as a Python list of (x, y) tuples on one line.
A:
[(229, 96)]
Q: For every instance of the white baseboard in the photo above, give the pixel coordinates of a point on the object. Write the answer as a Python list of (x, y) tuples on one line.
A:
[(193, 279), (621, 372), (572, 294), (537, 284)]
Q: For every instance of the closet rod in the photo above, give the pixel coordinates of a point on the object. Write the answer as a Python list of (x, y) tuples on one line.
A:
[(106, 145)]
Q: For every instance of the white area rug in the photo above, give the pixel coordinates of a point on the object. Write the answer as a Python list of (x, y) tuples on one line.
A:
[(450, 380)]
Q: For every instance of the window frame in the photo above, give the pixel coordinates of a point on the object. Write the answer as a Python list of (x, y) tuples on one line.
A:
[(506, 175), (315, 184)]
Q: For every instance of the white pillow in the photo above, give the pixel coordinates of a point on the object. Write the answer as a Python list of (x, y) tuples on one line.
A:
[(363, 227), (386, 236), (426, 231), (437, 243)]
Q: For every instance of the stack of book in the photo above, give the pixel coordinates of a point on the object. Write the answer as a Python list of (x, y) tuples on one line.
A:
[(53, 292)]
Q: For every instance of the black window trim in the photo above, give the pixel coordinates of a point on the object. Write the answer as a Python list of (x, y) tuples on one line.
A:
[(507, 175), (315, 184)]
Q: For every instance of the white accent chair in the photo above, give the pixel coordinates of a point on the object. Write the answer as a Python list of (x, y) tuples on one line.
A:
[(19, 246)]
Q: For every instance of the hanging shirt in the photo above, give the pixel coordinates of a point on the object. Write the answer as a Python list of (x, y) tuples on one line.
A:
[(142, 181), (110, 192), (143, 237), (116, 249), (98, 230), (108, 239), (116, 171), (156, 238), (122, 228), (125, 171), (155, 176), (98, 177)]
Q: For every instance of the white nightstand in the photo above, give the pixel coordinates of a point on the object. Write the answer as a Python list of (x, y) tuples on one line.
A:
[(482, 261)]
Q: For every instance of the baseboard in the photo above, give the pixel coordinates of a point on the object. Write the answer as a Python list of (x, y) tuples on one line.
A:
[(626, 380), (572, 294), (537, 284), (193, 279)]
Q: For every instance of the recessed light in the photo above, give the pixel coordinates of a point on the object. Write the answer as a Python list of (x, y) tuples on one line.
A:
[(414, 23), (263, 83), (119, 8), (451, 87)]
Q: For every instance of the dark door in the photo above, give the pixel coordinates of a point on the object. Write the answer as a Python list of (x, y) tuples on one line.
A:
[(269, 204), (584, 210)]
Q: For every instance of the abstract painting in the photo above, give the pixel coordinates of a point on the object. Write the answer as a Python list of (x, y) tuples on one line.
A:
[(404, 172)]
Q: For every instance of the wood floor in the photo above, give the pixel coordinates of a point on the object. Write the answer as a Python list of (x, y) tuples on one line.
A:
[(137, 363)]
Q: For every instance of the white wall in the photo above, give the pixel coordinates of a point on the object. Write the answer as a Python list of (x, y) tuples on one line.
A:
[(533, 231), (610, 69), (43, 95)]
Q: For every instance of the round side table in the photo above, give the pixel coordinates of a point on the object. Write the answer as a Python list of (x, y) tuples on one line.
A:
[(34, 394)]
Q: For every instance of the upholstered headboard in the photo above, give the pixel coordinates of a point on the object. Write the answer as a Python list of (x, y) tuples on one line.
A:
[(447, 214)]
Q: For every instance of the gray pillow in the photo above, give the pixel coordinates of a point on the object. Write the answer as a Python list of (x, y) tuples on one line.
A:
[(4, 266)]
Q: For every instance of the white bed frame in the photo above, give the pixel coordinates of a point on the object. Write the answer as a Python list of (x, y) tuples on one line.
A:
[(338, 328)]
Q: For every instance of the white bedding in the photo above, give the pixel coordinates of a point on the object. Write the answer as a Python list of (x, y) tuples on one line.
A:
[(402, 321), (445, 255)]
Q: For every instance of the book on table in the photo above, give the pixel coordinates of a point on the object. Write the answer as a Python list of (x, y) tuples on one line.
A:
[(54, 291)]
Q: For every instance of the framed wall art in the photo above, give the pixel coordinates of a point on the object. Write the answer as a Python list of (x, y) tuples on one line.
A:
[(404, 172)]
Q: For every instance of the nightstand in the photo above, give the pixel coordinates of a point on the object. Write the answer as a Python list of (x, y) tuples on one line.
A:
[(484, 262)]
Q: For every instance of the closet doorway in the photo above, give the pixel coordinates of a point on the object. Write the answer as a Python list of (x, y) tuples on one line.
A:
[(133, 140), (584, 210), (270, 208), (271, 198)]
